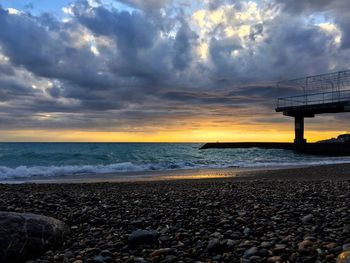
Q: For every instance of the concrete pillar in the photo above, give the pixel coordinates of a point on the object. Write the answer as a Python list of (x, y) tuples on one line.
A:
[(299, 129)]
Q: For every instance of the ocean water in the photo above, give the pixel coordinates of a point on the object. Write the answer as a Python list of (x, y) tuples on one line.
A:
[(55, 159)]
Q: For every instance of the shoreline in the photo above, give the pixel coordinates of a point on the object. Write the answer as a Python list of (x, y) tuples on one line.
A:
[(293, 172), (142, 176)]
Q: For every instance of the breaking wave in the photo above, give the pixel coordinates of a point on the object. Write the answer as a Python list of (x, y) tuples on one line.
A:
[(19, 160), (47, 171)]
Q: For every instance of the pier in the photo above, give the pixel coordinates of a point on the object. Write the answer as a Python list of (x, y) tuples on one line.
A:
[(326, 93), (319, 94), (328, 149)]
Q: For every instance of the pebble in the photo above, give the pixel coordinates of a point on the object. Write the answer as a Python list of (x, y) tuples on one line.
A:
[(274, 259), (213, 245), (305, 246), (141, 236), (266, 244), (160, 252), (344, 257), (98, 259), (250, 252), (192, 221), (307, 219)]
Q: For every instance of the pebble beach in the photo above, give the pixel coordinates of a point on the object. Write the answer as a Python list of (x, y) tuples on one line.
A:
[(290, 215)]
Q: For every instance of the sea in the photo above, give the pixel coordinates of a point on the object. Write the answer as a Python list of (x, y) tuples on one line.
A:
[(24, 160)]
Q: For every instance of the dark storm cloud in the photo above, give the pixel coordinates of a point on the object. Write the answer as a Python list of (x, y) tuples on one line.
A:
[(207, 98), (220, 53), (145, 68), (182, 47), (313, 5), (39, 44), (132, 30), (337, 10), (33, 49), (289, 50)]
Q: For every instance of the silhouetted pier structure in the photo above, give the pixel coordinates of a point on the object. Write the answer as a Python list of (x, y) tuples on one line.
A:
[(326, 93)]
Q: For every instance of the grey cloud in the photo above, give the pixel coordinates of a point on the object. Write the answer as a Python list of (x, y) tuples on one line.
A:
[(222, 98), (344, 23), (290, 49), (28, 43), (220, 53), (151, 73), (149, 5), (6, 70), (132, 31), (337, 10), (255, 31), (312, 5), (183, 47)]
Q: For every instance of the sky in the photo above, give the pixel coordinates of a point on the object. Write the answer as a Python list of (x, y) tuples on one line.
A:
[(164, 70)]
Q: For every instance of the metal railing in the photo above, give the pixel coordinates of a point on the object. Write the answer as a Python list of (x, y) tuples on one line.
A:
[(314, 98), (335, 87)]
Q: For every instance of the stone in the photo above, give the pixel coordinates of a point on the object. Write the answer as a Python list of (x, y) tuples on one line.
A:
[(139, 260), (305, 246), (98, 259), (141, 237), (346, 246), (160, 252), (331, 245), (69, 254), (266, 244), (213, 245), (311, 238), (344, 257), (254, 259), (274, 259), (279, 248), (170, 259), (231, 243), (263, 252), (307, 219), (106, 253), (246, 231), (250, 252), (25, 236)]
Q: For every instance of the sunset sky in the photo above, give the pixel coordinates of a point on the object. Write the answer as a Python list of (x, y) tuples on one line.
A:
[(163, 70)]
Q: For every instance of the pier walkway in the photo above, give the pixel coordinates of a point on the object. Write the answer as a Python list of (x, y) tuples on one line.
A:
[(326, 93)]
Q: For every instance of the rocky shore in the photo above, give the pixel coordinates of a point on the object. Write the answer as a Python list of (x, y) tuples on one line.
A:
[(282, 216)]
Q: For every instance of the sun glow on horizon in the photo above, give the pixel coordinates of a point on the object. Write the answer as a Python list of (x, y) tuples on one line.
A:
[(199, 135)]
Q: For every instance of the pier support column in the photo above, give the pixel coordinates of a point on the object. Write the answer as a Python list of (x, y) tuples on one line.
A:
[(299, 129)]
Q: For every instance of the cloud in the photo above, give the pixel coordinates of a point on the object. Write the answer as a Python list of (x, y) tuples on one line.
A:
[(147, 6), (160, 62), (336, 11)]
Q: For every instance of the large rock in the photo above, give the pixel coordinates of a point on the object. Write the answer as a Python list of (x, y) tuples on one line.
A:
[(25, 236)]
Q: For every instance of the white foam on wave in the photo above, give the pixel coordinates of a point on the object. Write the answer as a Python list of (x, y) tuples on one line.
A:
[(46, 171), (25, 171)]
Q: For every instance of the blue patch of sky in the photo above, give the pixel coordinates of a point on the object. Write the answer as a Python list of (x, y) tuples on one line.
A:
[(36, 7), (117, 5), (318, 18)]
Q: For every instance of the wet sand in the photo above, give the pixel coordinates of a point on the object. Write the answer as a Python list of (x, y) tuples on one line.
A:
[(181, 174), (289, 215)]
